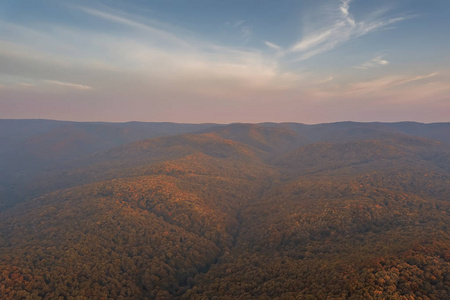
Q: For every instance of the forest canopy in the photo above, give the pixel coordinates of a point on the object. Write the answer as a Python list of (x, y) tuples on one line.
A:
[(240, 211)]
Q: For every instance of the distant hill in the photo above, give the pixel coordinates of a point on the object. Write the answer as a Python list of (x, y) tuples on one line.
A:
[(345, 131), (40, 142), (126, 159), (30, 147), (276, 139), (382, 152), (240, 211)]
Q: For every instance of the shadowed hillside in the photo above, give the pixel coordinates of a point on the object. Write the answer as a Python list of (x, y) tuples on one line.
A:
[(44, 142), (31, 147)]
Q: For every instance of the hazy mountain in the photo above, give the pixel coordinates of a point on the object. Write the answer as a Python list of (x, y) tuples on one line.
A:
[(346, 131), (380, 152), (41, 142), (274, 140), (31, 147), (240, 211)]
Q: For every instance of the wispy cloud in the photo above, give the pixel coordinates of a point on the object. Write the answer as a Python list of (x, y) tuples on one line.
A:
[(414, 78), (158, 66), (161, 34), (244, 30), (388, 91), (26, 85), (272, 45), (341, 27), (326, 80), (313, 40), (68, 84), (374, 62), (135, 63), (238, 23), (386, 82)]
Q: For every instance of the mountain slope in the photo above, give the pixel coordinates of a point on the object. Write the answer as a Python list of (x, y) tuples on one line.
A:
[(244, 211), (355, 234), (136, 237), (122, 161)]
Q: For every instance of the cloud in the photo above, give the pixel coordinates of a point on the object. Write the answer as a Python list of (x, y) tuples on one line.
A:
[(238, 23), (272, 45), (414, 78), (159, 33), (137, 65), (68, 84), (165, 72), (246, 32), (386, 98), (26, 85), (341, 27), (380, 85), (344, 7), (160, 53), (312, 40), (384, 83), (326, 80), (374, 62)]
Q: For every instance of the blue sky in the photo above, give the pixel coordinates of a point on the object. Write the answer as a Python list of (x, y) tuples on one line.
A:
[(225, 61)]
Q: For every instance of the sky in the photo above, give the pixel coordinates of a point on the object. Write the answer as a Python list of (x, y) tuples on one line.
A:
[(197, 61)]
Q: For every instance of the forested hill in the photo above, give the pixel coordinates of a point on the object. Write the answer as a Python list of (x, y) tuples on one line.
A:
[(31, 147), (241, 211)]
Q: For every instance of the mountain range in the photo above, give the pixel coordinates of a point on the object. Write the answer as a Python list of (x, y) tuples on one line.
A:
[(224, 211)]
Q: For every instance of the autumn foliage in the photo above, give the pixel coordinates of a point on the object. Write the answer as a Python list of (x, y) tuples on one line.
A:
[(212, 216)]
